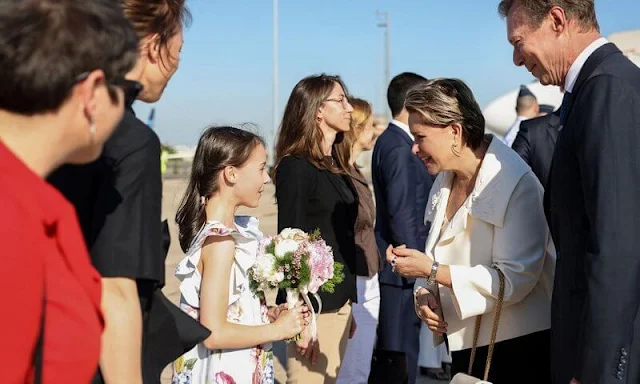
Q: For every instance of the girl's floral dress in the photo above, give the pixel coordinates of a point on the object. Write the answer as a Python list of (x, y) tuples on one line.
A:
[(238, 366)]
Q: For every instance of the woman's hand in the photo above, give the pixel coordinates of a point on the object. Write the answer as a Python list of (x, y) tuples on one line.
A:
[(308, 348), (425, 304), (409, 262)]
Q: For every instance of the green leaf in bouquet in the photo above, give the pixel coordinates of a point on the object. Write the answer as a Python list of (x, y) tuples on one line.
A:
[(315, 235), (271, 247), (338, 277), (305, 271), (253, 284)]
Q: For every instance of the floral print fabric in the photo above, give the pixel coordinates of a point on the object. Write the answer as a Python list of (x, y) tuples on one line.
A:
[(240, 366)]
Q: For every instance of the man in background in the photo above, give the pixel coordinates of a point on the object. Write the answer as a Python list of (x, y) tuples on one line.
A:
[(526, 108), (401, 184)]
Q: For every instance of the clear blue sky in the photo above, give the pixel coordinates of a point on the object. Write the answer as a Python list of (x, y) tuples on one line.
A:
[(225, 74)]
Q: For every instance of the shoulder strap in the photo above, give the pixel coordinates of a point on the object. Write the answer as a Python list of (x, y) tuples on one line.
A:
[(494, 331)]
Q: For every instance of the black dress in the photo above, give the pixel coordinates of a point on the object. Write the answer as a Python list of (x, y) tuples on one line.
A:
[(118, 199)]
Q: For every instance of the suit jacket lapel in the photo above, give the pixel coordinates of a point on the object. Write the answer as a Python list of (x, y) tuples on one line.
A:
[(553, 128)]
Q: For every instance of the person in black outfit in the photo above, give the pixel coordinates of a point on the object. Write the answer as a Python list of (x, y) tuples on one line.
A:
[(314, 191), (536, 142), (591, 200), (118, 201)]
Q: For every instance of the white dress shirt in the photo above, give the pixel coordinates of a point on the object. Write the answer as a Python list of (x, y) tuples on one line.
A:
[(511, 134), (576, 67), (404, 127)]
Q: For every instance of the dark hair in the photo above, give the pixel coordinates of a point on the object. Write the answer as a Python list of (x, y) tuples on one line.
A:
[(299, 132), (584, 11), (442, 102), (218, 147), (161, 17), (397, 91), (46, 44)]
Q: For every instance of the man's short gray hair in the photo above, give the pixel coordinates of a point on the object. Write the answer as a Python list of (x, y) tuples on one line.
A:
[(583, 11)]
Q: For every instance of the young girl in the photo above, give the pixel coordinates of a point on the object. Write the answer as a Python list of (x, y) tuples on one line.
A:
[(228, 172)]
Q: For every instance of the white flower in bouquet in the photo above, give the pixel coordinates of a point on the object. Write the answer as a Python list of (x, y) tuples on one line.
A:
[(293, 234), (265, 264), (285, 246)]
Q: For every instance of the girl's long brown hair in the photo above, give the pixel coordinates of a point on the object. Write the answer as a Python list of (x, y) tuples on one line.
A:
[(299, 133), (218, 148)]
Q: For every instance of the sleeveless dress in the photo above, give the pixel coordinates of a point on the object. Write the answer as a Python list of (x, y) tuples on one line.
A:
[(239, 366)]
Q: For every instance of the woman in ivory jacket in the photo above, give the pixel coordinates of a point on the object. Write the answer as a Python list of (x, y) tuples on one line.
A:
[(486, 214)]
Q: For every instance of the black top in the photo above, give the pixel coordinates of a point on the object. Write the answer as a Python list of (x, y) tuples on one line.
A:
[(310, 198), (118, 199)]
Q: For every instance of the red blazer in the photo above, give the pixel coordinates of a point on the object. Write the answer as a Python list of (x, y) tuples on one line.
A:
[(43, 254)]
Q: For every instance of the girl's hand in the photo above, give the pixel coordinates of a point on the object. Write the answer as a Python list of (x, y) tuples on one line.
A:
[(290, 323)]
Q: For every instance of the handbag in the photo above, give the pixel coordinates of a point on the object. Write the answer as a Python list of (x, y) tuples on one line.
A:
[(462, 378)]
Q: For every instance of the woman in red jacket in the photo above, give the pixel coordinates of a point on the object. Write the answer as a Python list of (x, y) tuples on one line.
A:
[(62, 90)]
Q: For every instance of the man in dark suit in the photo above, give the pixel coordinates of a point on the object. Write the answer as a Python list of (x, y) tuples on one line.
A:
[(593, 189), (402, 186), (536, 141)]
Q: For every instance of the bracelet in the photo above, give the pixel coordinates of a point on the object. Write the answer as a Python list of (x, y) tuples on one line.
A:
[(434, 270)]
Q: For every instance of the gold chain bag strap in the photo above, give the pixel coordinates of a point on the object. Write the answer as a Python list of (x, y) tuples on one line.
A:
[(461, 378)]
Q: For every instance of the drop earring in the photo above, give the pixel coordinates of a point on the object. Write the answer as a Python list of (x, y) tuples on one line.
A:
[(454, 149)]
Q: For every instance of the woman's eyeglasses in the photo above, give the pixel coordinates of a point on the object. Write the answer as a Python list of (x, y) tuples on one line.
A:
[(342, 100)]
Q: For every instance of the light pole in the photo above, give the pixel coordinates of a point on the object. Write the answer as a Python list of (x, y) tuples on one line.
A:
[(383, 22), (275, 83)]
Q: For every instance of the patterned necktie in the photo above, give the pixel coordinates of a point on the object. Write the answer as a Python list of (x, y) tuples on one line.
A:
[(564, 108)]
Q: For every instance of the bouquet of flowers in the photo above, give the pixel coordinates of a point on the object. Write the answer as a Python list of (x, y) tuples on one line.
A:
[(298, 262)]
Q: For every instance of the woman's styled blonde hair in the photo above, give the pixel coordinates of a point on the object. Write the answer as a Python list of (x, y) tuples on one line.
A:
[(442, 102), (362, 112)]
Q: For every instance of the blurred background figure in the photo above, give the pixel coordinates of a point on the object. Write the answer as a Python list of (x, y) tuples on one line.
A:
[(526, 108), (545, 109), (357, 361), (62, 87)]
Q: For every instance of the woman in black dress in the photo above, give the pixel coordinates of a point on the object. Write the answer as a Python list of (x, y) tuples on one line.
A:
[(314, 191), (118, 200)]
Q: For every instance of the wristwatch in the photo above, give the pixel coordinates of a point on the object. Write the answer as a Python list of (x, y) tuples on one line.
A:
[(434, 270)]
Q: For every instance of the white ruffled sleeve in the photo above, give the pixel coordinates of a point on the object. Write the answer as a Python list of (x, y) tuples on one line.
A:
[(187, 269)]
